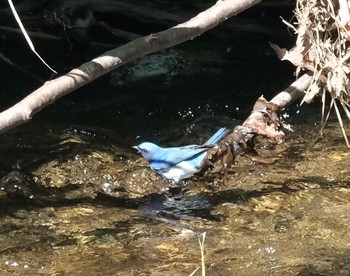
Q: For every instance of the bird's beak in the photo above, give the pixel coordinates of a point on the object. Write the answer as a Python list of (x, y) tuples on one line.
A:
[(137, 148)]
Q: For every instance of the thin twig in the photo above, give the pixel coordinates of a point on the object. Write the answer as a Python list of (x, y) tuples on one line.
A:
[(26, 36), (341, 124)]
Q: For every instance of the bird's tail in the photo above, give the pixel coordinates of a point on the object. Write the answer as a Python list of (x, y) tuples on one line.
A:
[(221, 133)]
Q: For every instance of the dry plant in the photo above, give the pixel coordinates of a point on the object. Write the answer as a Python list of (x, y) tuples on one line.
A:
[(322, 46), (201, 246)]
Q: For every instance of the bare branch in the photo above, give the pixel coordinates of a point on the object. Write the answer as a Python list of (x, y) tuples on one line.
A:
[(294, 92), (262, 121), (86, 73)]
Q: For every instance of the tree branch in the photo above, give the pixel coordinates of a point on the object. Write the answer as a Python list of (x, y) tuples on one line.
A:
[(262, 121), (52, 90)]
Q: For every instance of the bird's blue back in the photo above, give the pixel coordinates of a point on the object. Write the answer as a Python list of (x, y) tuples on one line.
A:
[(163, 159)]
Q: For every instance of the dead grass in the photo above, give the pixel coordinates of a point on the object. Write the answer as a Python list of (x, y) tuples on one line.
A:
[(201, 240), (322, 46)]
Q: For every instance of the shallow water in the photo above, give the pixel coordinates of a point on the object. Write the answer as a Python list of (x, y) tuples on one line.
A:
[(77, 200), (87, 205), (288, 218)]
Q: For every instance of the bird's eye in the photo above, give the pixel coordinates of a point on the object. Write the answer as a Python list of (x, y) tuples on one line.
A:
[(145, 151)]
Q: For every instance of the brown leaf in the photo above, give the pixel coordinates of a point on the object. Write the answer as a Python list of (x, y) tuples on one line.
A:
[(295, 56), (279, 51)]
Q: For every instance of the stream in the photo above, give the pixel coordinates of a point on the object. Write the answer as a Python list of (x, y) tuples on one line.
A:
[(76, 199)]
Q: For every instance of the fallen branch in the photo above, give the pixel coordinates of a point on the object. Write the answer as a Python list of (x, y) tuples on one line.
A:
[(16, 184), (263, 121), (24, 110)]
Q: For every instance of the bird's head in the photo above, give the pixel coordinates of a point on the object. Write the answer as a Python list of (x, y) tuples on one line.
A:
[(147, 149)]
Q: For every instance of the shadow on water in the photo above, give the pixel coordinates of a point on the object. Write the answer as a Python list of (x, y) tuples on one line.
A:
[(338, 264), (21, 191)]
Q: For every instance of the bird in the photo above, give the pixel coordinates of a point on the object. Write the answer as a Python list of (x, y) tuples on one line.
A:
[(178, 163)]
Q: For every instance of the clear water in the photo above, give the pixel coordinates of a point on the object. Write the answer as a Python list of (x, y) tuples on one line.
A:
[(77, 200)]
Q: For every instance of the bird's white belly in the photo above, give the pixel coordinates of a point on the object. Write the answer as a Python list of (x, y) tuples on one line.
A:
[(180, 171)]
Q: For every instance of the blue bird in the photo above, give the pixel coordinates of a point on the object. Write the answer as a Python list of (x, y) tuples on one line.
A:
[(178, 163)]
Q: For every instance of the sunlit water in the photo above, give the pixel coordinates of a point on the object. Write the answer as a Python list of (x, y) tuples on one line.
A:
[(290, 218), (77, 200)]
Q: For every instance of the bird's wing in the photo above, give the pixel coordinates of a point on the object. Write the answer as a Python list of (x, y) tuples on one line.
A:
[(169, 157)]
